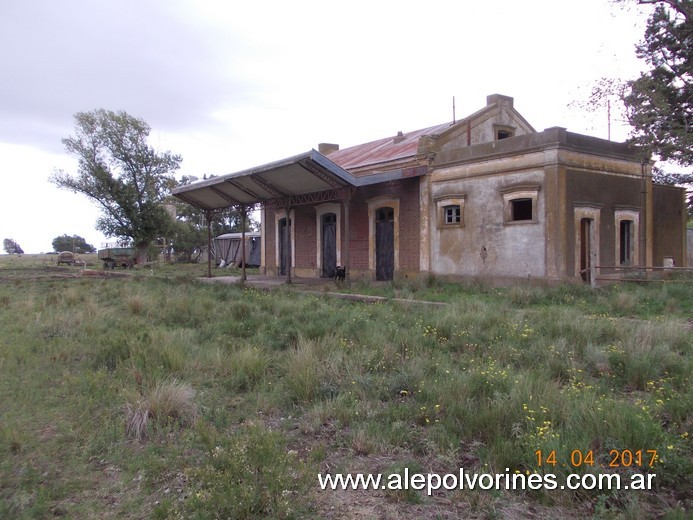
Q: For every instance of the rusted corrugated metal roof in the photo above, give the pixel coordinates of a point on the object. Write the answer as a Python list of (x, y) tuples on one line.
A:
[(383, 150), (310, 172)]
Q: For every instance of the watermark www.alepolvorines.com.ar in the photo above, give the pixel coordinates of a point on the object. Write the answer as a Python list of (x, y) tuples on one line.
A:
[(513, 481)]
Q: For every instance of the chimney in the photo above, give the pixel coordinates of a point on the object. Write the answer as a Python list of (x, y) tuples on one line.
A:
[(398, 138), (498, 98), (327, 148)]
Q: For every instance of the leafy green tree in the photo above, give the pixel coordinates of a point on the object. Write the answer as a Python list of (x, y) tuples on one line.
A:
[(74, 243), (659, 103), (11, 247), (125, 176)]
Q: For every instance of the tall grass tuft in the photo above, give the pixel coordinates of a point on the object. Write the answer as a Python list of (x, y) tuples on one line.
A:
[(248, 366), (168, 404), (302, 377)]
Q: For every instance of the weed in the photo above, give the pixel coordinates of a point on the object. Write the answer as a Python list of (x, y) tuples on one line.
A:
[(248, 475)]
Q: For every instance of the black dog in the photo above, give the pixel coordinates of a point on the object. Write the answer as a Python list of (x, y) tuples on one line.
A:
[(340, 273)]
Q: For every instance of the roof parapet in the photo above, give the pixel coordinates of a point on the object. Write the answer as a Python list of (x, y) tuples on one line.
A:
[(500, 99)]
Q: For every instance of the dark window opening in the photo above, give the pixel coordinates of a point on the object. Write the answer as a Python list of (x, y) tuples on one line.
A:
[(504, 134), (452, 214), (385, 215), (521, 209), (626, 229)]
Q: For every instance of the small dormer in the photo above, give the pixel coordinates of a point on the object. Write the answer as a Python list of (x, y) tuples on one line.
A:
[(503, 128), (503, 132), (498, 120)]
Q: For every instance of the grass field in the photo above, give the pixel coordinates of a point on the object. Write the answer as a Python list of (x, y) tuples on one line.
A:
[(151, 395)]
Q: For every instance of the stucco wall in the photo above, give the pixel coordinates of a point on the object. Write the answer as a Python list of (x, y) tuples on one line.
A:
[(512, 249), (608, 194), (669, 225)]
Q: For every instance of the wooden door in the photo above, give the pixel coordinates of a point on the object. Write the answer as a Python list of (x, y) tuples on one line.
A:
[(329, 245), (283, 246), (384, 243)]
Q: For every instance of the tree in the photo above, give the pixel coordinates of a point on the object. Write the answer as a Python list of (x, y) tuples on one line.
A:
[(12, 247), (124, 175), (659, 103), (74, 243)]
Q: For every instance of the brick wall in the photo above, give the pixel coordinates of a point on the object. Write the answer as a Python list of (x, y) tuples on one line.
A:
[(358, 233), (409, 226), (270, 234), (306, 241), (305, 252), (407, 190)]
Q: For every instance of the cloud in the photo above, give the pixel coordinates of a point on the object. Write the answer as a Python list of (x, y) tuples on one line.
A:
[(146, 58)]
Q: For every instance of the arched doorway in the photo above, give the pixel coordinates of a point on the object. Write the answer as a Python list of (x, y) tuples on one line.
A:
[(586, 249), (329, 245), (384, 243), (283, 234)]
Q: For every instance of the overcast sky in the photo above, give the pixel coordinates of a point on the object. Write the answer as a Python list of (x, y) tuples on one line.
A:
[(229, 85)]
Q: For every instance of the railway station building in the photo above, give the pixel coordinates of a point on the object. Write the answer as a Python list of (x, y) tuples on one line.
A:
[(487, 196)]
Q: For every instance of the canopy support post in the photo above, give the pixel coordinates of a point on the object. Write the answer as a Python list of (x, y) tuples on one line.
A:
[(346, 202), (208, 217), (244, 215), (289, 245)]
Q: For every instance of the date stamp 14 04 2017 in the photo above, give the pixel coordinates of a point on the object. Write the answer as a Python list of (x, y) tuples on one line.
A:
[(616, 458)]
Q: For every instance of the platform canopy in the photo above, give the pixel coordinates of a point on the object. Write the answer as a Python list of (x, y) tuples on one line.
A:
[(288, 179)]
